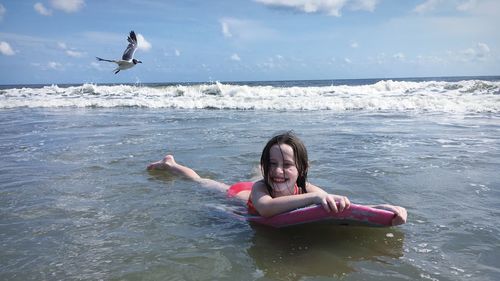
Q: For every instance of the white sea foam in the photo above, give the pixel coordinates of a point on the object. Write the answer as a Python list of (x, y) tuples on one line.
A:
[(468, 96)]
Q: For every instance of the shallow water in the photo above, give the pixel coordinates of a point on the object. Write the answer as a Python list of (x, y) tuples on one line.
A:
[(77, 203)]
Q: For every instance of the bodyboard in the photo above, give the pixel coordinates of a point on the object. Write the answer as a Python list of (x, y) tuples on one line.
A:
[(358, 215)]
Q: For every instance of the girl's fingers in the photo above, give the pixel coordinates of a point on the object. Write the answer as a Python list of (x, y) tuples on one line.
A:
[(343, 203), (325, 205), (348, 203), (329, 204), (401, 215), (335, 203), (398, 219), (332, 204)]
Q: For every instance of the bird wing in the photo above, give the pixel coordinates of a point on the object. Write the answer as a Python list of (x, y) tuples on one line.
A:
[(100, 59), (132, 46)]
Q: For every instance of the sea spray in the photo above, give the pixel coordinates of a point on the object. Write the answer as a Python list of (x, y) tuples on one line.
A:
[(466, 96)]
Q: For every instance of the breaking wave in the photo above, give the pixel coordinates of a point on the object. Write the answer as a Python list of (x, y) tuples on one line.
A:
[(467, 96)]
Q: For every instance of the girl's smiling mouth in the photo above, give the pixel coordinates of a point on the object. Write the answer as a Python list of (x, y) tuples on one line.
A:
[(279, 180)]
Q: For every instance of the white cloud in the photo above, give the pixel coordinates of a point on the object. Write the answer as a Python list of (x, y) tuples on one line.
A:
[(347, 60), (235, 57), (276, 62), (69, 52), (54, 65), (205, 67), (354, 45), (467, 5), (6, 49), (68, 6), (330, 7), (429, 60), (74, 54), (142, 43), (41, 9), (2, 11), (480, 7), (379, 59), (98, 66), (62, 45), (480, 52), (176, 53), (225, 28), (427, 6), (244, 29), (364, 5), (399, 56), (483, 49)]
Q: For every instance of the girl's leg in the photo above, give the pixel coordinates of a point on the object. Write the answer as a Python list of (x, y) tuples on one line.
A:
[(168, 163)]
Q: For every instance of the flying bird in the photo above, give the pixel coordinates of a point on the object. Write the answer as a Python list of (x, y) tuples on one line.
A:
[(127, 60)]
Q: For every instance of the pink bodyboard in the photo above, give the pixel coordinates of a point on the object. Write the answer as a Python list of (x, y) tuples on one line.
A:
[(355, 215)]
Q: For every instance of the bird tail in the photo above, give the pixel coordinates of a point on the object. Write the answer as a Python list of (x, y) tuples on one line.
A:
[(100, 59)]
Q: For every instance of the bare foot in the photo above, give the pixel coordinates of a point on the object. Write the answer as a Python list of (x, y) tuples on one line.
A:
[(168, 164), (165, 164)]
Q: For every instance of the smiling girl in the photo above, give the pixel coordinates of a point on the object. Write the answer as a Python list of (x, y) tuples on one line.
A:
[(284, 187)]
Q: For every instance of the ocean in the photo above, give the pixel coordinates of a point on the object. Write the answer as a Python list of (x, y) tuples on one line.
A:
[(76, 201)]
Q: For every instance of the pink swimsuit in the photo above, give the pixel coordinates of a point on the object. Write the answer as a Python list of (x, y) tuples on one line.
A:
[(243, 186)]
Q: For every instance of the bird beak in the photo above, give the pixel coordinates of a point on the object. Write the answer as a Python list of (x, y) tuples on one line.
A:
[(139, 61)]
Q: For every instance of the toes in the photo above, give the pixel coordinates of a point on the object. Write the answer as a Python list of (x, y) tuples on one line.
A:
[(156, 166)]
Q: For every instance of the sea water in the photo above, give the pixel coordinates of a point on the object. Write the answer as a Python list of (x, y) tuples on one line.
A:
[(76, 202)]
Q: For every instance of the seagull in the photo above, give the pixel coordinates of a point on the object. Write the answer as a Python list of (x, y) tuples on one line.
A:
[(127, 60)]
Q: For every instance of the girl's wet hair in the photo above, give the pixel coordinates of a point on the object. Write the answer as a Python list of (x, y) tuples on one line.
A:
[(299, 154)]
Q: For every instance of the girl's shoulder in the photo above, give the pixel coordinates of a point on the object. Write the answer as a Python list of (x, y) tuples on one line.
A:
[(260, 186), (313, 188)]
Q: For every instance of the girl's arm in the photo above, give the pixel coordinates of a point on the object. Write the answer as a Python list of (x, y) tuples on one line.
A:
[(268, 206), (329, 201), (400, 212)]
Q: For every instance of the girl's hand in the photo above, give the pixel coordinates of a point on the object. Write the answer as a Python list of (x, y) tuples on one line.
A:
[(333, 203), (400, 213)]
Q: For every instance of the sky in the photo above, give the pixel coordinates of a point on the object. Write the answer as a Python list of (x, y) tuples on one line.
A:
[(56, 41)]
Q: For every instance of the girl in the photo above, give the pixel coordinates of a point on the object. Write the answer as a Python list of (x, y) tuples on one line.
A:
[(284, 187)]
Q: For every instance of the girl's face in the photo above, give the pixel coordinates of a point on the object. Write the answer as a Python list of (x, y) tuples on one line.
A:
[(283, 172)]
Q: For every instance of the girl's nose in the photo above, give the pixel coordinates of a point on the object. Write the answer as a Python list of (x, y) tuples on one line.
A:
[(278, 169)]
